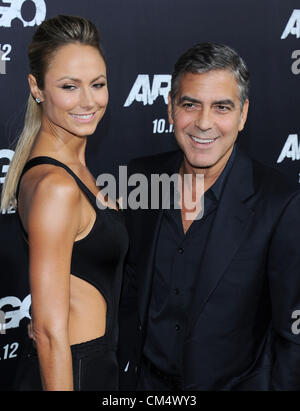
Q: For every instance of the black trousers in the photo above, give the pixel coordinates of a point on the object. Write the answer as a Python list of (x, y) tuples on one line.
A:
[(95, 368), (152, 379)]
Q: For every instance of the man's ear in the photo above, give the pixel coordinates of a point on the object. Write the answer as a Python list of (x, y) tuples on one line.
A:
[(244, 114), (170, 109), (34, 89)]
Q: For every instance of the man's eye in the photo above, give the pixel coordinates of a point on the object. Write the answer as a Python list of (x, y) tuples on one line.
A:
[(223, 108), (188, 105)]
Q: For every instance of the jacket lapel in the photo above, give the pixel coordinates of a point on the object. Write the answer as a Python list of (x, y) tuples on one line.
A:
[(229, 228), (145, 268)]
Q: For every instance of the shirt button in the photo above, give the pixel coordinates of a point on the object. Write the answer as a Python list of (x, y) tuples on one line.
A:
[(176, 291), (180, 250), (177, 327)]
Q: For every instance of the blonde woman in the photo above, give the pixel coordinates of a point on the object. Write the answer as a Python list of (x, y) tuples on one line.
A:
[(76, 250)]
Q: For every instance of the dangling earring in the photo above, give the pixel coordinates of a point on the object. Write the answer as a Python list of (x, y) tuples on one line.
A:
[(38, 100)]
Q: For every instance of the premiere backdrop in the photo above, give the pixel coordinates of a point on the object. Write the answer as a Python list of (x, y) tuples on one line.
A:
[(142, 39)]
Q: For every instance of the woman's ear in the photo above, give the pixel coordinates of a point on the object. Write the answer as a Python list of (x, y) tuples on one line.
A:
[(34, 89)]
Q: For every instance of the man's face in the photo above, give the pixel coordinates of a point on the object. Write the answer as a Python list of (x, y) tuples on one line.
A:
[(207, 118)]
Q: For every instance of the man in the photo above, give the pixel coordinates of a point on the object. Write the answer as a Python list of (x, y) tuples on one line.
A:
[(210, 304)]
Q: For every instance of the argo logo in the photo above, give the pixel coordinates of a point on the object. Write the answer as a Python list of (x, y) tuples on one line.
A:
[(293, 26), (13, 10), (144, 93), (291, 149), (11, 318)]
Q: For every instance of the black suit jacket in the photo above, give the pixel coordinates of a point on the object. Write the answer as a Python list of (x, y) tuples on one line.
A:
[(240, 331)]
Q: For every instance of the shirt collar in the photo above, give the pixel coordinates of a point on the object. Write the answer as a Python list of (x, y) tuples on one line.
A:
[(215, 191), (217, 187)]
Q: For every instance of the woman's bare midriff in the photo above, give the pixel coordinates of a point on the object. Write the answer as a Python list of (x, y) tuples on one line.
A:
[(87, 316)]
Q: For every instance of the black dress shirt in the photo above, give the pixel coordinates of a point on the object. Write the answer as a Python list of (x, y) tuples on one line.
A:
[(177, 262)]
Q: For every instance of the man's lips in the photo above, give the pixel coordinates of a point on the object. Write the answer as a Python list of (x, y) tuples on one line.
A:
[(203, 141)]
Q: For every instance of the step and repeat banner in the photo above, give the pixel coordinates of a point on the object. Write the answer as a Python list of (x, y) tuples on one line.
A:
[(142, 39)]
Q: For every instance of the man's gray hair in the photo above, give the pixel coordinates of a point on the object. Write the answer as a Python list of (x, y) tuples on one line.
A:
[(204, 57)]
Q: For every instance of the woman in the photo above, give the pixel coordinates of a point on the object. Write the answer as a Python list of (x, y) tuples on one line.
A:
[(76, 251)]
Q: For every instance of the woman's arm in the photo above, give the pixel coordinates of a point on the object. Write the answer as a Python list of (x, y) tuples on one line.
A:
[(52, 222)]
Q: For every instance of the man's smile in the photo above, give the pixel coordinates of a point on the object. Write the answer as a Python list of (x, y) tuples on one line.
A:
[(203, 141)]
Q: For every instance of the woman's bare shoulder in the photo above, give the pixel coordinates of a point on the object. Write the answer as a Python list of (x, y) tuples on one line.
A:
[(48, 181), (48, 195)]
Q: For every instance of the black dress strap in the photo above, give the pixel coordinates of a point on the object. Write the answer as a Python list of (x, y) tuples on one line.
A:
[(50, 160)]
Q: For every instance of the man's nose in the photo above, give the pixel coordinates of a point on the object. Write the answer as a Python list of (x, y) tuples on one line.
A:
[(204, 120)]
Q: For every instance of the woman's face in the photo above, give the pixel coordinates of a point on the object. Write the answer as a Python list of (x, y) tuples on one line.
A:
[(75, 94)]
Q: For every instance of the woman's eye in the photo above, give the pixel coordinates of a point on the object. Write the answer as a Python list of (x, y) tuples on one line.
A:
[(68, 87), (99, 85)]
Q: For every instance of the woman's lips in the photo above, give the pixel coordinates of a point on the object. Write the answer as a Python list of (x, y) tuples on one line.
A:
[(84, 118)]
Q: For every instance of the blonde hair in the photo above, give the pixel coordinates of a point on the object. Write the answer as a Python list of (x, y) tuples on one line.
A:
[(32, 124), (48, 37)]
